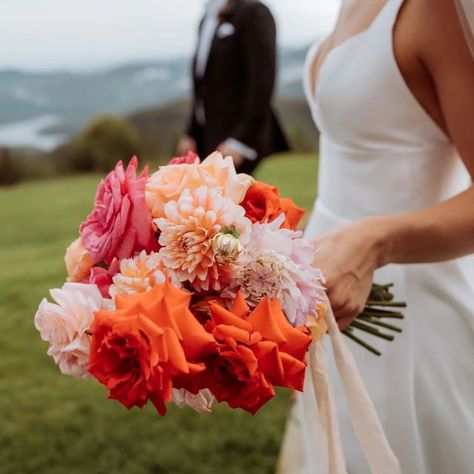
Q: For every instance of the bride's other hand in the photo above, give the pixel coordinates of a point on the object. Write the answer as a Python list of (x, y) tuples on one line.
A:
[(348, 258)]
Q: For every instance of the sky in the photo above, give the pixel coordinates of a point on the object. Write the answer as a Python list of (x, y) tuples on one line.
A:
[(39, 35)]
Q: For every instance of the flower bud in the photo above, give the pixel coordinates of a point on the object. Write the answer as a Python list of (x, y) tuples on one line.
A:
[(226, 248)]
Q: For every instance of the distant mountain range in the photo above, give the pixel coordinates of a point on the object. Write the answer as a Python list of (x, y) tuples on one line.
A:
[(41, 109)]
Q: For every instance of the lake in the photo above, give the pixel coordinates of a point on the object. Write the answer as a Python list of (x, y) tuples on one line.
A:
[(30, 133)]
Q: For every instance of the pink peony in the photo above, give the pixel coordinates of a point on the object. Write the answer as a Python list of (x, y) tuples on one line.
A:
[(277, 263), (187, 231), (79, 261), (215, 172), (200, 402), (120, 223), (65, 325)]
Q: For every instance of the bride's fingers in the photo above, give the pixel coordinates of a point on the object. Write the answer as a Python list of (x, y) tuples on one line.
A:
[(344, 323), (346, 309)]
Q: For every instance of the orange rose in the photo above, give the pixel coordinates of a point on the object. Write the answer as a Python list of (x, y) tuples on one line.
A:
[(257, 350), (151, 339), (262, 203)]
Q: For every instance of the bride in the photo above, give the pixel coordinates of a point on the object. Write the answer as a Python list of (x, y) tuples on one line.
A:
[(392, 91)]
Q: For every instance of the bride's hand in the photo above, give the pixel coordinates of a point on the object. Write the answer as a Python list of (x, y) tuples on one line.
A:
[(348, 258)]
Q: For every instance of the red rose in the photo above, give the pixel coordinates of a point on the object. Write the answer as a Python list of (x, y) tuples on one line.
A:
[(151, 339), (257, 351), (262, 203)]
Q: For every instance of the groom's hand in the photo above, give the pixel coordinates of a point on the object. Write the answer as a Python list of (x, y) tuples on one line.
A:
[(186, 144), (228, 151)]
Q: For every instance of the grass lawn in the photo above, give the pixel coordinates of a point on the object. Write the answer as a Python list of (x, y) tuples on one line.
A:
[(55, 425)]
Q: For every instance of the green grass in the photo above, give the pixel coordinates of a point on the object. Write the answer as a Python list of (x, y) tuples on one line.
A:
[(52, 424)]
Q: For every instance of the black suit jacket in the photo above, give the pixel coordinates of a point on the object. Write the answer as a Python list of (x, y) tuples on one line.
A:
[(237, 87)]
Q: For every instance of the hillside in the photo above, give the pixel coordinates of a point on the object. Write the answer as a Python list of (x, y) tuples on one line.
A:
[(42, 109)]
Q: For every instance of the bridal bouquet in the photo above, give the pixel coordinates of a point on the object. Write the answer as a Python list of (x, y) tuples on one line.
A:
[(186, 285)]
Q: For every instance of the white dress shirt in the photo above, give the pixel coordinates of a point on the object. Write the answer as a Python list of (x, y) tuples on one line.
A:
[(206, 37), (208, 32)]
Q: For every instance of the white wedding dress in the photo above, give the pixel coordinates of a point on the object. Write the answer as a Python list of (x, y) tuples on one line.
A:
[(382, 154)]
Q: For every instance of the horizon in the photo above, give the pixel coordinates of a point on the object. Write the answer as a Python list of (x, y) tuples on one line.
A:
[(62, 44), (132, 62)]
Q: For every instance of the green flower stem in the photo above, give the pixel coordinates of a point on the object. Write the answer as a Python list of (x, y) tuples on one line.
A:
[(375, 332), (380, 323), (392, 304), (380, 313), (348, 333)]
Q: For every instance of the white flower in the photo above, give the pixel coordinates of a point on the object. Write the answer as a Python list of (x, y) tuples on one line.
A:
[(227, 248), (65, 325), (277, 263), (201, 402)]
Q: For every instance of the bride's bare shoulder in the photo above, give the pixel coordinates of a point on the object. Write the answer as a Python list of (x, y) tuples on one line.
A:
[(439, 14), (442, 36), (446, 55)]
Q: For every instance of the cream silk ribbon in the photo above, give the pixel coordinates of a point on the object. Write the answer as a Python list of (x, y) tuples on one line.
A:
[(365, 421)]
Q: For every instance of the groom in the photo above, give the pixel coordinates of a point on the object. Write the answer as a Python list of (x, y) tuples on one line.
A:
[(233, 77)]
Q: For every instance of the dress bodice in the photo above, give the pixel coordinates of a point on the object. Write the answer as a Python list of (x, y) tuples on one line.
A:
[(381, 153)]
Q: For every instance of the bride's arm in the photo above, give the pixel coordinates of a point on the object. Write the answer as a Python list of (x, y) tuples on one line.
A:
[(350, 255), (440, 233), (447, 230)]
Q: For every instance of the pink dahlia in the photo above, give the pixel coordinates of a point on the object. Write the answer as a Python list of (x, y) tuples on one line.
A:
[(120, 223), (187, 231), (277, 263)]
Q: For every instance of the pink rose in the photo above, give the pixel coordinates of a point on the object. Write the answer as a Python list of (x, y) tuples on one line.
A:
[(65, 325), (103, 278), (79, 261), (190, 158), (120, 223)]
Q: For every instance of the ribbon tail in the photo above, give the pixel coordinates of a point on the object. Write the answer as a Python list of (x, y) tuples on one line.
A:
[(326, 408), (364, 418)]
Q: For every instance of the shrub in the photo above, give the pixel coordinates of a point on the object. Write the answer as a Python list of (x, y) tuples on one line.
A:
[(98, 148), (10, 172)]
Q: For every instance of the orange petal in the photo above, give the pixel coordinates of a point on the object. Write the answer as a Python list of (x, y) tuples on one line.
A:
[(240, 306), (294, 372), (269, 361), (220, 315), (293, 213), (268, 319)]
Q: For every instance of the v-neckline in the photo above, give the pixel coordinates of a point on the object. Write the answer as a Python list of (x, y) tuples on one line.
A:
[(314, 85)]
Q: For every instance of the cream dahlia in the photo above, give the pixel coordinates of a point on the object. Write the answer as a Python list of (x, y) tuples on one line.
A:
[(187, 231), (138, 275)]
